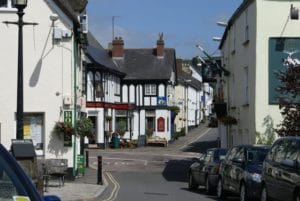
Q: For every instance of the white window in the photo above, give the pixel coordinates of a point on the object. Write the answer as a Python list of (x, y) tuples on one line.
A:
[(150, 89), (246, 85), (90, 86), (6, 5), (246, 27), (233, 91), (117, 86), (98, 87)]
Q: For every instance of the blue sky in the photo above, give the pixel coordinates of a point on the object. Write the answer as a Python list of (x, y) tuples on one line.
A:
[(184, 23)]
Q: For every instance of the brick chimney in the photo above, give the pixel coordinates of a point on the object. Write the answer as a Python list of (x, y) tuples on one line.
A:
[(118, 47), (179, 66), (160, 46)]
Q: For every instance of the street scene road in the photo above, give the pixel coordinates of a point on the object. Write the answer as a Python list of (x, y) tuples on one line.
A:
[(154, 173)]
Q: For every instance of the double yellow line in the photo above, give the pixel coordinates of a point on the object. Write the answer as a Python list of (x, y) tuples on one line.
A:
[(116, 187)]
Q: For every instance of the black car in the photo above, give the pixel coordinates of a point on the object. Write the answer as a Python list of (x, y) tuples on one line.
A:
[(281, 171), (15, 185), (240, 172), (205, 171)]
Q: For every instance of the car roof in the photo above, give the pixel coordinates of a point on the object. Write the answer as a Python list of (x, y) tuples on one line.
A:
[(253, 146), (216, 149)]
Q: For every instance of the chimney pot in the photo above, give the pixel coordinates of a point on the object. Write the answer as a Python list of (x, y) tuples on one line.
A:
[(160, 46)]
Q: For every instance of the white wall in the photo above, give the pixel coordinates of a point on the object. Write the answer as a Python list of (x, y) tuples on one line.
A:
[(48, 73)]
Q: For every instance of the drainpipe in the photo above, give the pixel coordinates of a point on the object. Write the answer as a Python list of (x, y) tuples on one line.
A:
[(75, 100)]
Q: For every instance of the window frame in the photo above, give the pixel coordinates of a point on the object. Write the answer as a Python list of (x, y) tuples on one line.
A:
[(150, 90), (9, 7)]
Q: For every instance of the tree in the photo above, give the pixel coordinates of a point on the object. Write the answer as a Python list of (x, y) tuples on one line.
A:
[(289, 101)]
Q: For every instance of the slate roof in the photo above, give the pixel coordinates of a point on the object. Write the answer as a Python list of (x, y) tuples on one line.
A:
[(193, 82), (143, 64), (99, 57)]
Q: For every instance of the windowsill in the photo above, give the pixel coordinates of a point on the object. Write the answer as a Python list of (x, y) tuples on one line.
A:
[(9, 10), (246, 42)]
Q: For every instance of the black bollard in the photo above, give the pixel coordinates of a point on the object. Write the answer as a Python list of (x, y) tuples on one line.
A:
[(99, 181), (86, 158)]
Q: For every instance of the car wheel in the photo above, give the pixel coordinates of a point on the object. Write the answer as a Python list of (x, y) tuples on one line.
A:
[(208, 186), (264, 194), (220, 190), (243, 193), (192, 183), (297, 196)]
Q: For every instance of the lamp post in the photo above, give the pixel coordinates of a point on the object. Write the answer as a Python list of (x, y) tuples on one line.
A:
[(20, 5), (186, 81)]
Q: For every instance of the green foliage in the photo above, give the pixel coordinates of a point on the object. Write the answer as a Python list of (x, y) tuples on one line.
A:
[(84, 127), (174, 108), (228, 120), (149, 132), (179, 133), (268, 136), (121, 127), (289, 102), (62, 128)]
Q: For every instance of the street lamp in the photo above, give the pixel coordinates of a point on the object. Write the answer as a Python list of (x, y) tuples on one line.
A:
[(20, 5), (186, 81)]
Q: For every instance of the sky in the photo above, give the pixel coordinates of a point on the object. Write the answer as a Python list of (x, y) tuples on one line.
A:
[(184, 23)]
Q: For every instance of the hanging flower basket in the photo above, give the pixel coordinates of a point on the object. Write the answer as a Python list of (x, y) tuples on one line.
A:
[(228, 120), (62, 128), (65, 131), (175, 109)]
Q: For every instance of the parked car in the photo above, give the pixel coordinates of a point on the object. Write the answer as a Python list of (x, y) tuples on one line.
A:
[(205, 171), (240, 172), (281, 171), (15, 184)]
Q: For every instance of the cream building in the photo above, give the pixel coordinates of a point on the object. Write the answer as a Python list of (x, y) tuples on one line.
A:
[(258, 36)]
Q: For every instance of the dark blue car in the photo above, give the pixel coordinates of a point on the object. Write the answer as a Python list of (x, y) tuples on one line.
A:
[(15, 185), (240, 172)]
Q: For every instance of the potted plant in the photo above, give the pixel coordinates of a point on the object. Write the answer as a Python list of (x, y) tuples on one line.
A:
[(149, 132), (121, 128)]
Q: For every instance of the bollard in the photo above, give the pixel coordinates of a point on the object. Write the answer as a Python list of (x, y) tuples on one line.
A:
[(99, 181), (86, 159)]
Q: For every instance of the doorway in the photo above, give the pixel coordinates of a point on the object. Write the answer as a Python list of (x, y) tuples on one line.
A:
[(93, 137)]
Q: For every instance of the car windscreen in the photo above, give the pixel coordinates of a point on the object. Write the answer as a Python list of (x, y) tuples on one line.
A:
[(256, 155)]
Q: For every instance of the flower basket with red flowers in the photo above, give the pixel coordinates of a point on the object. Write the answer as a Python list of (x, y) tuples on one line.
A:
[(64, 130)]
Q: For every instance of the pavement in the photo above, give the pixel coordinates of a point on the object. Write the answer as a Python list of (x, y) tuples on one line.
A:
[(85, 187)]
